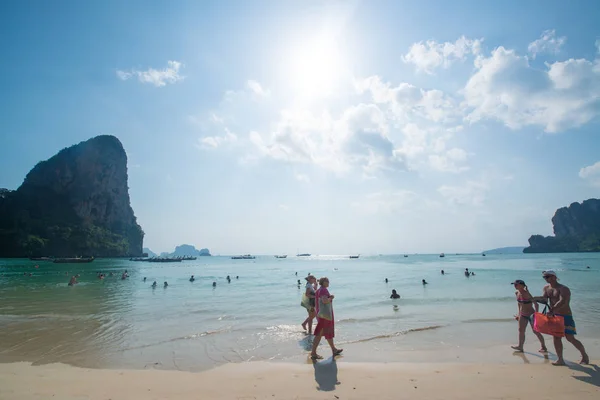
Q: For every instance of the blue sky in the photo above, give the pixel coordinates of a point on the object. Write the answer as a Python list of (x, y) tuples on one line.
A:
[(322, 126)]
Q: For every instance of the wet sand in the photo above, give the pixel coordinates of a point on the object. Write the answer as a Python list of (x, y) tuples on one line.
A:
[(325, 380)]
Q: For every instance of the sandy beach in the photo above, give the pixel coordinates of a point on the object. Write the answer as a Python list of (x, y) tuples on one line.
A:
[(325, 380)]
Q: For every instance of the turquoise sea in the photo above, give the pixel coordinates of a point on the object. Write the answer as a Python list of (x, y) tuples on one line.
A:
[(114, 323)]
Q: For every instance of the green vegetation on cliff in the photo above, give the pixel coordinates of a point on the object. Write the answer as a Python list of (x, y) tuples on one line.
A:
[(75, 203), (576, 229)]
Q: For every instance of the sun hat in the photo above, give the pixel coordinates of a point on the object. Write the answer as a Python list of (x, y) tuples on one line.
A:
[(549, 273), (518, 281)]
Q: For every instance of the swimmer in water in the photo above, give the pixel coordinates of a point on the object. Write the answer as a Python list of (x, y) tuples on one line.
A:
[(214, 284), (442, 272), (166, 284), (144, 279), (386, 280), (237, 277), (192, 279), (394, 295), (73, 281), (154, 284), (424, 282)]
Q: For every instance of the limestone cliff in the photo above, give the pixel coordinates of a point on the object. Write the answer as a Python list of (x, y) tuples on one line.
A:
[(75, 203), (576, 228)]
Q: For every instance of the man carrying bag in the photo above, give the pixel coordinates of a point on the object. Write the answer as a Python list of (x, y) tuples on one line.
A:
[(558, 297)]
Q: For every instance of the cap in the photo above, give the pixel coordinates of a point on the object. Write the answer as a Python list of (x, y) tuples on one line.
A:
[(309, 277), (518, 281), (549, 272)]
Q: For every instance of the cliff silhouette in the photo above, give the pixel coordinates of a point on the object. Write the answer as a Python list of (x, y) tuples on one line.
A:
[(576, 229), (75, 203)]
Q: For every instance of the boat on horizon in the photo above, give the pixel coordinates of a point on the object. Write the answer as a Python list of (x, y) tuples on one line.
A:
[(160, 259), (356, 256), (442, 255), (283, 256), (164, 260), (243, 257), (73, 260), (303, 255), (41, 258)]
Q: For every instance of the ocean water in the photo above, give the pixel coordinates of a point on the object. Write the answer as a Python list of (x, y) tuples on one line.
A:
[(114, 323)]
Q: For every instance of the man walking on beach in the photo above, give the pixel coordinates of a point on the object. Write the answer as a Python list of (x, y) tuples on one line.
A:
[(558, 297)]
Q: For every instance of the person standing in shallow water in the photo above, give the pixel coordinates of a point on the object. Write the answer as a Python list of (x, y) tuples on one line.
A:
[(558, 297), (525, 315), (308, 302), (325, 320)]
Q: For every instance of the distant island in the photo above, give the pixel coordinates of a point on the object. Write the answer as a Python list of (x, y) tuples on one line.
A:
[(149, 253), (186, 250), (505, 250), (76, 203), (576, 229)]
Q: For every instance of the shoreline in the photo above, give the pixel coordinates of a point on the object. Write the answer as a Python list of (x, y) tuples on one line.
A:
[(323, 380)]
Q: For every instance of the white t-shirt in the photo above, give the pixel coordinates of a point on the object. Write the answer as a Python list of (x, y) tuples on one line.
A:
[(311, 287)]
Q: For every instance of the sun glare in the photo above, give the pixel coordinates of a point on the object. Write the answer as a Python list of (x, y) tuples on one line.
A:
[(315, 67)]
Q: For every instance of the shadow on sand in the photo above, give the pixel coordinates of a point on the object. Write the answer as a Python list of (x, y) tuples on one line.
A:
[(523, 356), (592, 370), (326, 375)]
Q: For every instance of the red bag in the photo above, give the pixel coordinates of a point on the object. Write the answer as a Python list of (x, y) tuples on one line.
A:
[(550, 325)]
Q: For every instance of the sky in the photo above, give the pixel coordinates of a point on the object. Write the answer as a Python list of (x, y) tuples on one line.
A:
[(326, 127)]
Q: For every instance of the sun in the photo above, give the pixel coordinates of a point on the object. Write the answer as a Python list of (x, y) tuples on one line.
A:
[(315, 67)]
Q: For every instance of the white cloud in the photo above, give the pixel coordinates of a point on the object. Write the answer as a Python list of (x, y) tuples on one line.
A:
[(547, 43), (471, 193), (407, 102), (357, 139), (302, 177), (158, 78), (451, 161), (591, 173), (123, 75), (506, 88), (257, 89), (216, 141), (215, 118), (424, 121), (430, 55), (387, 202)]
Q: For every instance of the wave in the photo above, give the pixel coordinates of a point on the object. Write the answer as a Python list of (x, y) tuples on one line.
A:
[(481, 320), (372, 319), (62, 317), (395, 334), (176, 339)]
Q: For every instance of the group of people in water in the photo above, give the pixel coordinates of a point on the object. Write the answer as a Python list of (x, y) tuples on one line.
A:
[(101, 275)]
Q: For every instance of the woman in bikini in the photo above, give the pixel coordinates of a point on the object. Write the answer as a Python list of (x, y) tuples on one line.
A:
[(527, 308), (325, 325)]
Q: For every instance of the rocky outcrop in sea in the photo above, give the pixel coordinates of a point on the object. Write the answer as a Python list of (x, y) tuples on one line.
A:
[(576, 229), (75, 203)]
